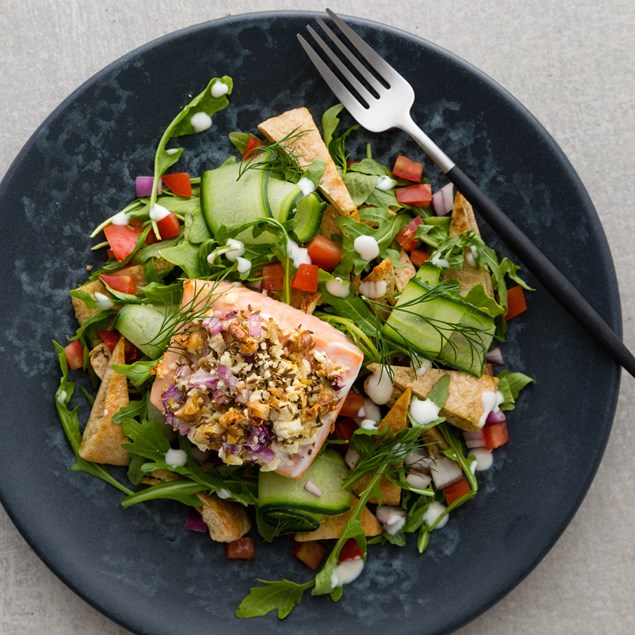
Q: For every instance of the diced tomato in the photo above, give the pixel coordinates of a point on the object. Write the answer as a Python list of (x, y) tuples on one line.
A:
[(496, 434), (74, 355), (169, 227), (456, 490), (310, 552), (324, 253), (241, 549), (352, 406), (179, 183), (489, 369), (350, 162), (306, 278), (417, 195), (516, 303), (418, 257), (151, 237), (110, 338), (344, 429), (407, 169), (131, 352), (122, 240), (351, 551), (273, 277), (250, 147), (122, 282), (406, 236)]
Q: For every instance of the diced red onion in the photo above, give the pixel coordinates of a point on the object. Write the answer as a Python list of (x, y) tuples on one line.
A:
[(213, 325), (143, 186), (178, 424), (474, 439), (418, 479), (443, 200), (312, 488), (254, 327), (265, 455), (445, 472), (495, 417), (230, 316), (495, 356), (351, 458), (419, 461), (259, 438), (172, 393), (195, 522), (204, 379), (391, 518), (225, 373)]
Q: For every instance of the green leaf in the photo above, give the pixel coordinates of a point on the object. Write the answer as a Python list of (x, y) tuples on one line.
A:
[(137, 372), (330, 122), (281, 596), (370, 167), (438, 394), (479, 298), (181, 491), (510, 384), (360, 186), (315, 171)]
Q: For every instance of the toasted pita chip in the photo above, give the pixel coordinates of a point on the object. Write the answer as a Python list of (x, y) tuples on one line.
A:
[(82, 312), (226, 520), (463, 221), (333, 526), (102, 439), (301, 137), (405, 272), (305, 301), (464, 406), (396, 419), (99, 358)]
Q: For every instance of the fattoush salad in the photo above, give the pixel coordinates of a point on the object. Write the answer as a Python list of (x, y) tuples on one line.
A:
[(297, 342)]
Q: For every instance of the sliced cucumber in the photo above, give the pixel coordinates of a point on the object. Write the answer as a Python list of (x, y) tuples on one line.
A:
[(284, 502), (228, 201), (444, 328), (142, 324), (307, 217)]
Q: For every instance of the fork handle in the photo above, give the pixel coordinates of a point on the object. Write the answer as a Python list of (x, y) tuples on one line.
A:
[(543, 269)]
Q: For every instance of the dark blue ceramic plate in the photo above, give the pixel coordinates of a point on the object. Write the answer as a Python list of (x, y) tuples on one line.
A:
[(139, 566)]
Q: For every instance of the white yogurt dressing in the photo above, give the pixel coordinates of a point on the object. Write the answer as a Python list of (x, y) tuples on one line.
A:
[(385, 183), (491, 401), (237, 249), (347, 571), (219, 89), (379, 386), (439, 262), (121, 218), (158, 212), (367, 247), (176, 458), (200, 121), (432, 515), (484, 459), (306, 185), (103, 301), (243, 265), (338, 287), (373, 290), (299, 255), (423, 411)]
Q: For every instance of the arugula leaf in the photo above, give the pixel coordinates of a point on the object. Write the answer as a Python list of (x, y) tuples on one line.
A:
[(438, 394), (181, 491), (315, 171), (330, 122), (138, 372), (360, 186), (370, 167), (510, 384), (280, 595)]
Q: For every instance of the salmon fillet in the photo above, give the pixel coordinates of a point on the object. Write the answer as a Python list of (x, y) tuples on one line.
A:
[(209, 296)]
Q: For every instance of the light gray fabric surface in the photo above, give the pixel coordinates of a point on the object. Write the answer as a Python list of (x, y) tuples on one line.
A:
[(572, 64)]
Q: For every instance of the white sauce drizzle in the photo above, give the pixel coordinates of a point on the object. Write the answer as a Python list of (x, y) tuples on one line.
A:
[(367, 247), (423, 411), (385, 183), (378, 386), (219, 89), (243, 265), (200, 121), (306, 185), (432, 514), (103, 301), (347, 571), (439, 262), (299, 255), (368, 424), (237, 249), (373, 290), (338, 287), (491, 401), (158, 212), (484, 458), (121, 218), (175, 458)]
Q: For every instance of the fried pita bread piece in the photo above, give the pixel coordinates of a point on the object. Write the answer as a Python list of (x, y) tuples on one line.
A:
[(305, 300), (405, 272), (396, 419), (333, 526), (99, 358), (102, 439), (297, 131), (463, 221), (226, 520), (464, 406)]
